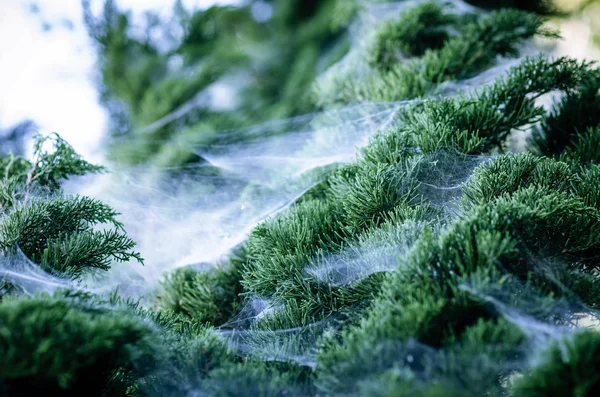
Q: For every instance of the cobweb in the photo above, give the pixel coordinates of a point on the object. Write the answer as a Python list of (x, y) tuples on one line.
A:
[(197, 214), (28, 277), (354, 66)]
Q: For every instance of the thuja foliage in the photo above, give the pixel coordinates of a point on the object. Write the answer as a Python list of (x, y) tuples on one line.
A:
[(419, 29), (53, 230), (476, 42), (209, 296), (568, 369), (74, 343), (437, 263), (266, 60), (436, 303), (59, 235), (66, 347), (572, 121), (539, 6), (348, 9), (44, 172)]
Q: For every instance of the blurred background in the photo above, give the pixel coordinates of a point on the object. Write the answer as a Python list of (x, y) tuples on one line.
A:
[(121, 78)]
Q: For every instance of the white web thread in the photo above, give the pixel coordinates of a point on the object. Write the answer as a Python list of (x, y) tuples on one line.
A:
[(175, 226), (197, 216), (29, 277)]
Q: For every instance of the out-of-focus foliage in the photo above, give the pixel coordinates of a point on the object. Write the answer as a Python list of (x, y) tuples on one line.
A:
[(434, 263), (207, 70), (539, 6)]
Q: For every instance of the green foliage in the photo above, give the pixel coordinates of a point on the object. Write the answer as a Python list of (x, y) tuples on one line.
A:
[(188, 353), (206, 296), (509, 103), (73, 343), (588, 187), (50, 167), (58, 234), (480, 41), (47, 169), (540, 6), (64, 347), (376, 192), (508, 173), (427, 299), (586, 147), (428, 266), (279, 249), (268, 66), (259, 379), (516, 208), (418, 29), (566, 126), (567, 368)]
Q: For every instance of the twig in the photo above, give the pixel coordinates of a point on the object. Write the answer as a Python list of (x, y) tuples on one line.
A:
[(30, 175)]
